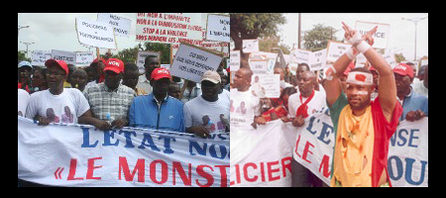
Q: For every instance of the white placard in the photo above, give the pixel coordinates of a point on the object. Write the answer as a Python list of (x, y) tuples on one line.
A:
[(218, 28), (268, 84), (234, 60), (191, 62), (40, 56), (250, 45), (94, 33), (317, 60), (84, 58), (300, 56), (121, 25), (336, 50), (67, 56), (381, 36), (259, 66)]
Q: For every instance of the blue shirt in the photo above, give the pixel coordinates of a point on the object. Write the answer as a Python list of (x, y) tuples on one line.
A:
[(412, 102), (144, 112)]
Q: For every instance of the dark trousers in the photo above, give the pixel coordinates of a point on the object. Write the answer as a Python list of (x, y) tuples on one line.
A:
[(302, 177)]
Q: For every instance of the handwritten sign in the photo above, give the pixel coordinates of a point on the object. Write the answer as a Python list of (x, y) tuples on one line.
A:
[(191, 62), (317, 60), (40, 56), (336, 50), (218, 28), (67, 56), (94, 33), (120, 25)]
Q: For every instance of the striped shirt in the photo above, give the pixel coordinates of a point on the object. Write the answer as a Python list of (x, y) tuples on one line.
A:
[(104, 101)]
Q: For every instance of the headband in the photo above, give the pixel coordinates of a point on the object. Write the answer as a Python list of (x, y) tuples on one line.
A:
[(360, 78)]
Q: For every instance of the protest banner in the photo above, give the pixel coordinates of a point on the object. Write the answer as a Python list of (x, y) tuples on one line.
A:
[(336, 50), (381, 36), (317, 60), (191, 62), (218, 28), (262, 156), (170, 27), (234, 60), (408, 154), (142, 58), (39, 57), (80, 155), (250, 45), (95, 33), (120, 25), (67, 56), (84, 58)]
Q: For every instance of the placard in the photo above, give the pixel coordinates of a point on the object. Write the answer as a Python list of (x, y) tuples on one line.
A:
[(95, 33), (250, 45), (268, 85), (336, 50), (234, 60), (191, 62), (40, 56), (300, 56), (67, 56), (84, 58), (381, 36), (120, 25), (218, 28), (317, 60)]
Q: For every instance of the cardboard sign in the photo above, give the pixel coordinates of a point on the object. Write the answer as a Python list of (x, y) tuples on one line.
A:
[(94, 33), (218, 28), (169, 27), (120, 25), (300, 56), (381, 36), (191, 62), (259, 66), (336, 50)]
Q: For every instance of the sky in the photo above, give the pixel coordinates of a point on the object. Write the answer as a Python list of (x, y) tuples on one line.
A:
[(401, 35), (57, 30)]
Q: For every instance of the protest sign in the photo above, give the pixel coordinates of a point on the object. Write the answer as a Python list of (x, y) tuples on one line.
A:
[(317, 60), (262, 156), (120, 25), (218, 28), (258, 66), (142, 58), (67, 56), (80, 155), (234, 60), (300, 56), (381, 36), (390, 59), (336, 50), (84, 58), (250, 45), (169, 27), (269, 83), (95, 33), (39, 57), (191, 62)]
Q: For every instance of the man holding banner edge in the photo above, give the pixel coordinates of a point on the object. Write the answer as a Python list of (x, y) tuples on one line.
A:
[(362, 128)]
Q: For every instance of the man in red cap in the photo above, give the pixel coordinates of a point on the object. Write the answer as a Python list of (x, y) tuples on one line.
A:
[(157, 110), (110, 100), (56, 102), (415, 106)]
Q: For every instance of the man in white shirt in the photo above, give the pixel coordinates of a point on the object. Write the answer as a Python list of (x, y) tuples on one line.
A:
[(207, 113), (58, 104)]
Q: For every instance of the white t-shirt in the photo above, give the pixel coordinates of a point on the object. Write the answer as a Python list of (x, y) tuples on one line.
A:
[(198, 110), (244, 106), (23, 98), (316, 103), (63, 108)]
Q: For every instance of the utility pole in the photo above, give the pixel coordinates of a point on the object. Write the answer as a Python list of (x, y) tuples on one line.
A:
[(27, 44), (415, 21), (298, 33)]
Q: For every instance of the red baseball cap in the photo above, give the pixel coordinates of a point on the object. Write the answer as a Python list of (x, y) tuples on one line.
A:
[(403, 69), (61, 64), (159, 73), (115, 65)]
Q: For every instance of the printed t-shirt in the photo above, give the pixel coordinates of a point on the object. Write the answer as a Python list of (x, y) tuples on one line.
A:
[(362, 143), (198, 110), (63, 108), (243, 107)]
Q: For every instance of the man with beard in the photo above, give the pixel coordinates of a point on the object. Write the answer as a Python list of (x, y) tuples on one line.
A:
[(158, 110), (362, 127)]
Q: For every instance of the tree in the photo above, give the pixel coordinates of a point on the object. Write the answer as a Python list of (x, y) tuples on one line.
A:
[(317, 38), (253, 26), (267, 44), (22, 57)]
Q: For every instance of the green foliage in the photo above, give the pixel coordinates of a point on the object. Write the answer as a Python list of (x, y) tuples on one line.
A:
[(22, 57), (317, 38)]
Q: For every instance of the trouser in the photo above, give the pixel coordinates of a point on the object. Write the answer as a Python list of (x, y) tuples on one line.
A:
[(302, 177)]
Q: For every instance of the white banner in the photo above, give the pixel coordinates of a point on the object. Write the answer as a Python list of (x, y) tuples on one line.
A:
[(95, 33), (262, 156), (80, 155), (67, 56)]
